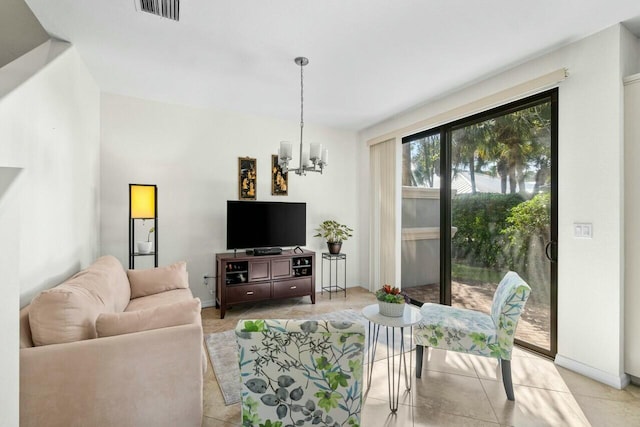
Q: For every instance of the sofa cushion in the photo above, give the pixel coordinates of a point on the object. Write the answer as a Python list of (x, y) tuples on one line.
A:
[(25, 330), (162, 316), (68, 312), (151, 301), (155, 280)]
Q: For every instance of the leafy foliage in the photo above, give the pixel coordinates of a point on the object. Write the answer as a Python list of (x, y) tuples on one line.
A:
[(530, 218), (480, 219), (527, 233), (391, 294), (333, 231)]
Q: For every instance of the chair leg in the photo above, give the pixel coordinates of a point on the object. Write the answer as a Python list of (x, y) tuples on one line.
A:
[(506, 378), (419, 357)]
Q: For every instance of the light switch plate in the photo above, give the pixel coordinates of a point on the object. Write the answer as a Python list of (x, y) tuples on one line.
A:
[(583, 230)]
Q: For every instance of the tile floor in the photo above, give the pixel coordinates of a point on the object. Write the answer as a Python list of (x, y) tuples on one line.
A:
[(455, 389)]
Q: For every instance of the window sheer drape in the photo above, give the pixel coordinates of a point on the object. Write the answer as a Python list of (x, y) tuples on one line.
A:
[(383, 238)]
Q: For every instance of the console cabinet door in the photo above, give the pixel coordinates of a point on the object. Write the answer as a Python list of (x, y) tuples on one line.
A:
[(280, 268), (259, 270)]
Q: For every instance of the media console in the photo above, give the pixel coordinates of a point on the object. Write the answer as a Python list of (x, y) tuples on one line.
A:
[(247, 278)]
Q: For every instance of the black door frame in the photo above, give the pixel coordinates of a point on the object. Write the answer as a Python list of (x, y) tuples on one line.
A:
[(445, 132)]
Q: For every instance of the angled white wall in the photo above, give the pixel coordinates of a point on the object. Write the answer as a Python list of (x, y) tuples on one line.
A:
[(192, 155), (49, 216), (590, 280), (50, 127)]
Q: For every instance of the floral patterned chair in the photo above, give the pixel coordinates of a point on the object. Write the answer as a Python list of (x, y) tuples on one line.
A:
[(297, 372), (473, 332)]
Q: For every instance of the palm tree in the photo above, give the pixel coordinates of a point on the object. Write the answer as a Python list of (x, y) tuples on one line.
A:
[(522, 139), (421, 161)]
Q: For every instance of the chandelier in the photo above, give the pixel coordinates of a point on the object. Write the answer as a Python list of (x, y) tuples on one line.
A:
[(316, 159)]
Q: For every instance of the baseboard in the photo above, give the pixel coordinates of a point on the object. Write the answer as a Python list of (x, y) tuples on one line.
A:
[(615, 381), (208, 303)]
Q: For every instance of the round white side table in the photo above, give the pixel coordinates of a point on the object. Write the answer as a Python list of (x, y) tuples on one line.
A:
[(410, 317)]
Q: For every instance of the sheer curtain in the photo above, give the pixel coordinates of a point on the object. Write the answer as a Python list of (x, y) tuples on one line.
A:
[(383, 234)]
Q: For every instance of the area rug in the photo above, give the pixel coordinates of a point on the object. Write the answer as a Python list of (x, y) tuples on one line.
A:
[(223, 352)]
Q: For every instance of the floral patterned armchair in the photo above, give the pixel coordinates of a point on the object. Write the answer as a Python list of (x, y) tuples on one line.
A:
[(297, 372), (473, 332)]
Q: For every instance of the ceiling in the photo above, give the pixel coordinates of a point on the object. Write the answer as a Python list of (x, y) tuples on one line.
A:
[(369, 59)]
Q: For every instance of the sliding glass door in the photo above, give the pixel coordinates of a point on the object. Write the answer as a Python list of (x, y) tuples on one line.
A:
[(492, 198), (421, 218)]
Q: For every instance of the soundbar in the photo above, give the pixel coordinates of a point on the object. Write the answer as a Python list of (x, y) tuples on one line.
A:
[(264, 251)]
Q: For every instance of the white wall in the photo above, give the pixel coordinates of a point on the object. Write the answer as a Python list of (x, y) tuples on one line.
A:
[(192, 156), (49, 128), (9, 336), (590, 190), (630, 48)]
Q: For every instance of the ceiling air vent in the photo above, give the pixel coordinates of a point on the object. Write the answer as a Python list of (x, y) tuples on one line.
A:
[(165, 8)]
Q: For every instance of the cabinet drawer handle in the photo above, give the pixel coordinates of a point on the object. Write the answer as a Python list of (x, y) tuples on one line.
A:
[(293, 287), (249, 292)]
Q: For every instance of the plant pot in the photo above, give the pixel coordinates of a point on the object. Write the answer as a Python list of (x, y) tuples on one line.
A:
[(144, 247), (391, 309), (334, 248)]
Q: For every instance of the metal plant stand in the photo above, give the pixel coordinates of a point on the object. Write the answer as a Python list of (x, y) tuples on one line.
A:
[(334, 286)]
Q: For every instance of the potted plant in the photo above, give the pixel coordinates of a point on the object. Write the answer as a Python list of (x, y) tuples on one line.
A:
[(391, 301), (146, 247), (334, 233)]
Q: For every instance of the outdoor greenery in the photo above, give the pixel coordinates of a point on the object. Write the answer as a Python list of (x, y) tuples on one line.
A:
[(475, 275), (502, 224), (500, 232), (528, 227), (480, 219), (509, 146)]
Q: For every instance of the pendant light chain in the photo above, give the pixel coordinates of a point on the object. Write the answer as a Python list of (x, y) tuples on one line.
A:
[(301, 100)]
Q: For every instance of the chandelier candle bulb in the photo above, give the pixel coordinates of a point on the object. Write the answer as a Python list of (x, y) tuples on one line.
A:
[(315, 151), (305, 158), (285, 150), (325, 157)]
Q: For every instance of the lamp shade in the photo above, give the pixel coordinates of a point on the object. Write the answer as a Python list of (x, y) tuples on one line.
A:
[(142, 199)]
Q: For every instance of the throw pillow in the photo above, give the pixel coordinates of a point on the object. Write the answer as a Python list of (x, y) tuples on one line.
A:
[(156, 280)]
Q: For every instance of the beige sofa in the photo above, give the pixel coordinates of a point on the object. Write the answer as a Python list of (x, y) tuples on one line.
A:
[(110, 347)]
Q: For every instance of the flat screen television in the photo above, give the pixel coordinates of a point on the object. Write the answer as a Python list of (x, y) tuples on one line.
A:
[(265, 224)]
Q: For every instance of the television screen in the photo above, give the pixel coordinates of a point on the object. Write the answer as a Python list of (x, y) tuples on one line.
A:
[(265, 224)]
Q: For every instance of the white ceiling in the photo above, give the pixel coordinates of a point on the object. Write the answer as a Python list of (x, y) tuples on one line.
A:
[(369, 59)]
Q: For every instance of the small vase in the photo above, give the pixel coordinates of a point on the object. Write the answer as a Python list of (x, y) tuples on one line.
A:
[(144, 247), (391, 309), (334, 248)]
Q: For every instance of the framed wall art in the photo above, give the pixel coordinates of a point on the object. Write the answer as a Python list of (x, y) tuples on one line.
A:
[(279, 179), (247, 171)]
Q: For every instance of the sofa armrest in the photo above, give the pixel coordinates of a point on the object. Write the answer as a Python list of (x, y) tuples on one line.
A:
[(144, 378)]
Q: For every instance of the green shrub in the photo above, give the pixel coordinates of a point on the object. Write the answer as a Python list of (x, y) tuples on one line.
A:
[(481, 219), (527, 232)]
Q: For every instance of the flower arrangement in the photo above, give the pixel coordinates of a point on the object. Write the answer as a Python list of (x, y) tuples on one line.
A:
[(392, 295), (151, 230)]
